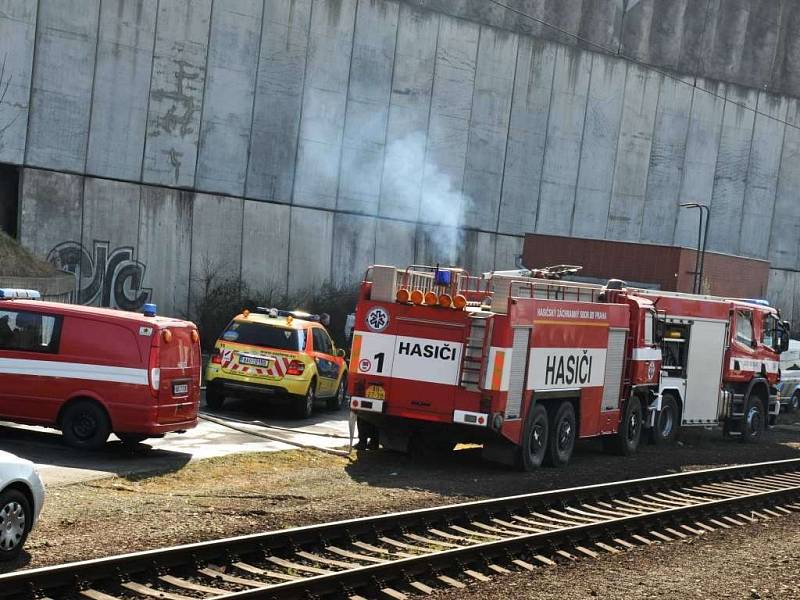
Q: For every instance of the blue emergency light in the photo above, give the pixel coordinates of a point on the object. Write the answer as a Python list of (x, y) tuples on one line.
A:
[(149, 310), (442, 277), (759, 301), (17, 294)]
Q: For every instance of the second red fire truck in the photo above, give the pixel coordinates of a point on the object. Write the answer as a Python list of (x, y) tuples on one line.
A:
[(525, 365)]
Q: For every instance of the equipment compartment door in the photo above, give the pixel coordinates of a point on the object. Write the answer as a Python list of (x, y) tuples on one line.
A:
[(704, 372)]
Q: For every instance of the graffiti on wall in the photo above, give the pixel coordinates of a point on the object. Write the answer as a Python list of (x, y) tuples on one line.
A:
[(104, 277)]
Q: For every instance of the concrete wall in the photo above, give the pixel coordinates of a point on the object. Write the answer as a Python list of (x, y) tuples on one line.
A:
[(297, 141), (748, 42)]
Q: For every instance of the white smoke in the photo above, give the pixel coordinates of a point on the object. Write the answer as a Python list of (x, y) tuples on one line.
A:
[(406, 178), (411, 177)]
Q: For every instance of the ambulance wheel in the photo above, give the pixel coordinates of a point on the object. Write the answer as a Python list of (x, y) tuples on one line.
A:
[(562, 436), (214, 398), (534, 440), (665, 428), (16, 519), (753, 423), (626, 442), (85, 425), (339, 401), (304, 405)]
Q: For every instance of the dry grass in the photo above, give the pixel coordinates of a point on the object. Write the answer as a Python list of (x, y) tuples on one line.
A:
[(16, 261)]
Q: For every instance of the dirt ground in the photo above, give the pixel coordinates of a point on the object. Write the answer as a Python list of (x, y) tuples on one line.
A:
[(757, 561), (255, 492)]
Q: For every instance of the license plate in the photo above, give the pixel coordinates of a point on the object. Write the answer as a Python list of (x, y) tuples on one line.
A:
[(255, 361), (180, 389), (376, 392)]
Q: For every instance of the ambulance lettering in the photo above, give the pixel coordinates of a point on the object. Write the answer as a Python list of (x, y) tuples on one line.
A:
[(570, 370), (445, 352)]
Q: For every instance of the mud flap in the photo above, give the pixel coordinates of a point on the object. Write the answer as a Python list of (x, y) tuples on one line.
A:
[(504, 453), (352, 425)]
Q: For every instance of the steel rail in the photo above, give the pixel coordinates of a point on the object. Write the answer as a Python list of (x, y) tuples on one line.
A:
[(418, 565), (49, 580)]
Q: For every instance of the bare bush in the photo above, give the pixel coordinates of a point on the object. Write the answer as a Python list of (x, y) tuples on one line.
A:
[(224, 297)]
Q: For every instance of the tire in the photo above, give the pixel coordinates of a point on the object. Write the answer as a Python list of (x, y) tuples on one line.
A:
[(16, 519), (627, 440), (304, 405), (563, 432), (85, 425), (214, 398), (339, 401), (534, 440), (131, 439), (753, 421), (667, 423)]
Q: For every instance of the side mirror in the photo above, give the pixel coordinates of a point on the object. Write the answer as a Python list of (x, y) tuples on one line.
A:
[(340, 353)]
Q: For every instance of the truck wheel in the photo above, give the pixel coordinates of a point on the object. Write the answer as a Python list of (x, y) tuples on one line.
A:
[(305, 404), (626, 442), (16, 518), (85, 425), (338, 401), (214, 397), (753, 423), (667, 423), (563, 430), (534, 440)]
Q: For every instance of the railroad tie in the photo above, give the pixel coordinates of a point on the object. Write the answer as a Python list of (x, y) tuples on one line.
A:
[(96, 595), (217, 573), (190, 585), (146, 590), (248, 568)]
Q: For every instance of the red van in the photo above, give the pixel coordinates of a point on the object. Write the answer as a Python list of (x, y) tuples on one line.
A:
[(92, 371)]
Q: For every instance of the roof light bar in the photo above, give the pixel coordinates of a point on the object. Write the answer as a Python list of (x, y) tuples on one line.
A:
[(18, 294), (295, 314)]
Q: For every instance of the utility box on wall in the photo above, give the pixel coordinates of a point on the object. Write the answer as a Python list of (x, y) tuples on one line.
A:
[(670, 268)]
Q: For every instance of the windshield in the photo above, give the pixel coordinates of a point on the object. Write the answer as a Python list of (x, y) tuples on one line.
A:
[(266, 336)]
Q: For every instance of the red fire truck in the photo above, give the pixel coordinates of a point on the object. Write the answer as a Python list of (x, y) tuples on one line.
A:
[(525, 365), (92, 371)]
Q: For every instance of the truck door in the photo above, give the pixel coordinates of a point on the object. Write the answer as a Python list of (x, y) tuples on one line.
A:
[(704, 371)]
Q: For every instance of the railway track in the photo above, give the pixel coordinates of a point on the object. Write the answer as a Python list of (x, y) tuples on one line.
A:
[(402, 554)]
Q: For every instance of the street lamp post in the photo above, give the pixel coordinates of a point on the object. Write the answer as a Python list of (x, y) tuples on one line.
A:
[(702, 235)]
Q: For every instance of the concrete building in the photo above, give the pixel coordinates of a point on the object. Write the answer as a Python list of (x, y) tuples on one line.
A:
[(153, 143)]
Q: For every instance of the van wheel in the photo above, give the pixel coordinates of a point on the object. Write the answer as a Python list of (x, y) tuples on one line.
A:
[(626, 442), (753, 424), (667, 423), (563, 431), (85, 425), (214, 398), (16, 518), (535, 436), (305, 404), (338, 401)]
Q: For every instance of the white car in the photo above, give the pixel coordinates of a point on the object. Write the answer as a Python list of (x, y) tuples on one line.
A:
[(21, 500)]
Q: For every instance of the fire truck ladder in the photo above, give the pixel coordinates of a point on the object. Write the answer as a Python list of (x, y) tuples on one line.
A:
[(475, 351)]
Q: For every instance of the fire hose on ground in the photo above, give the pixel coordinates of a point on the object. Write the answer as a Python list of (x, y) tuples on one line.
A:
[(275, 438)]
